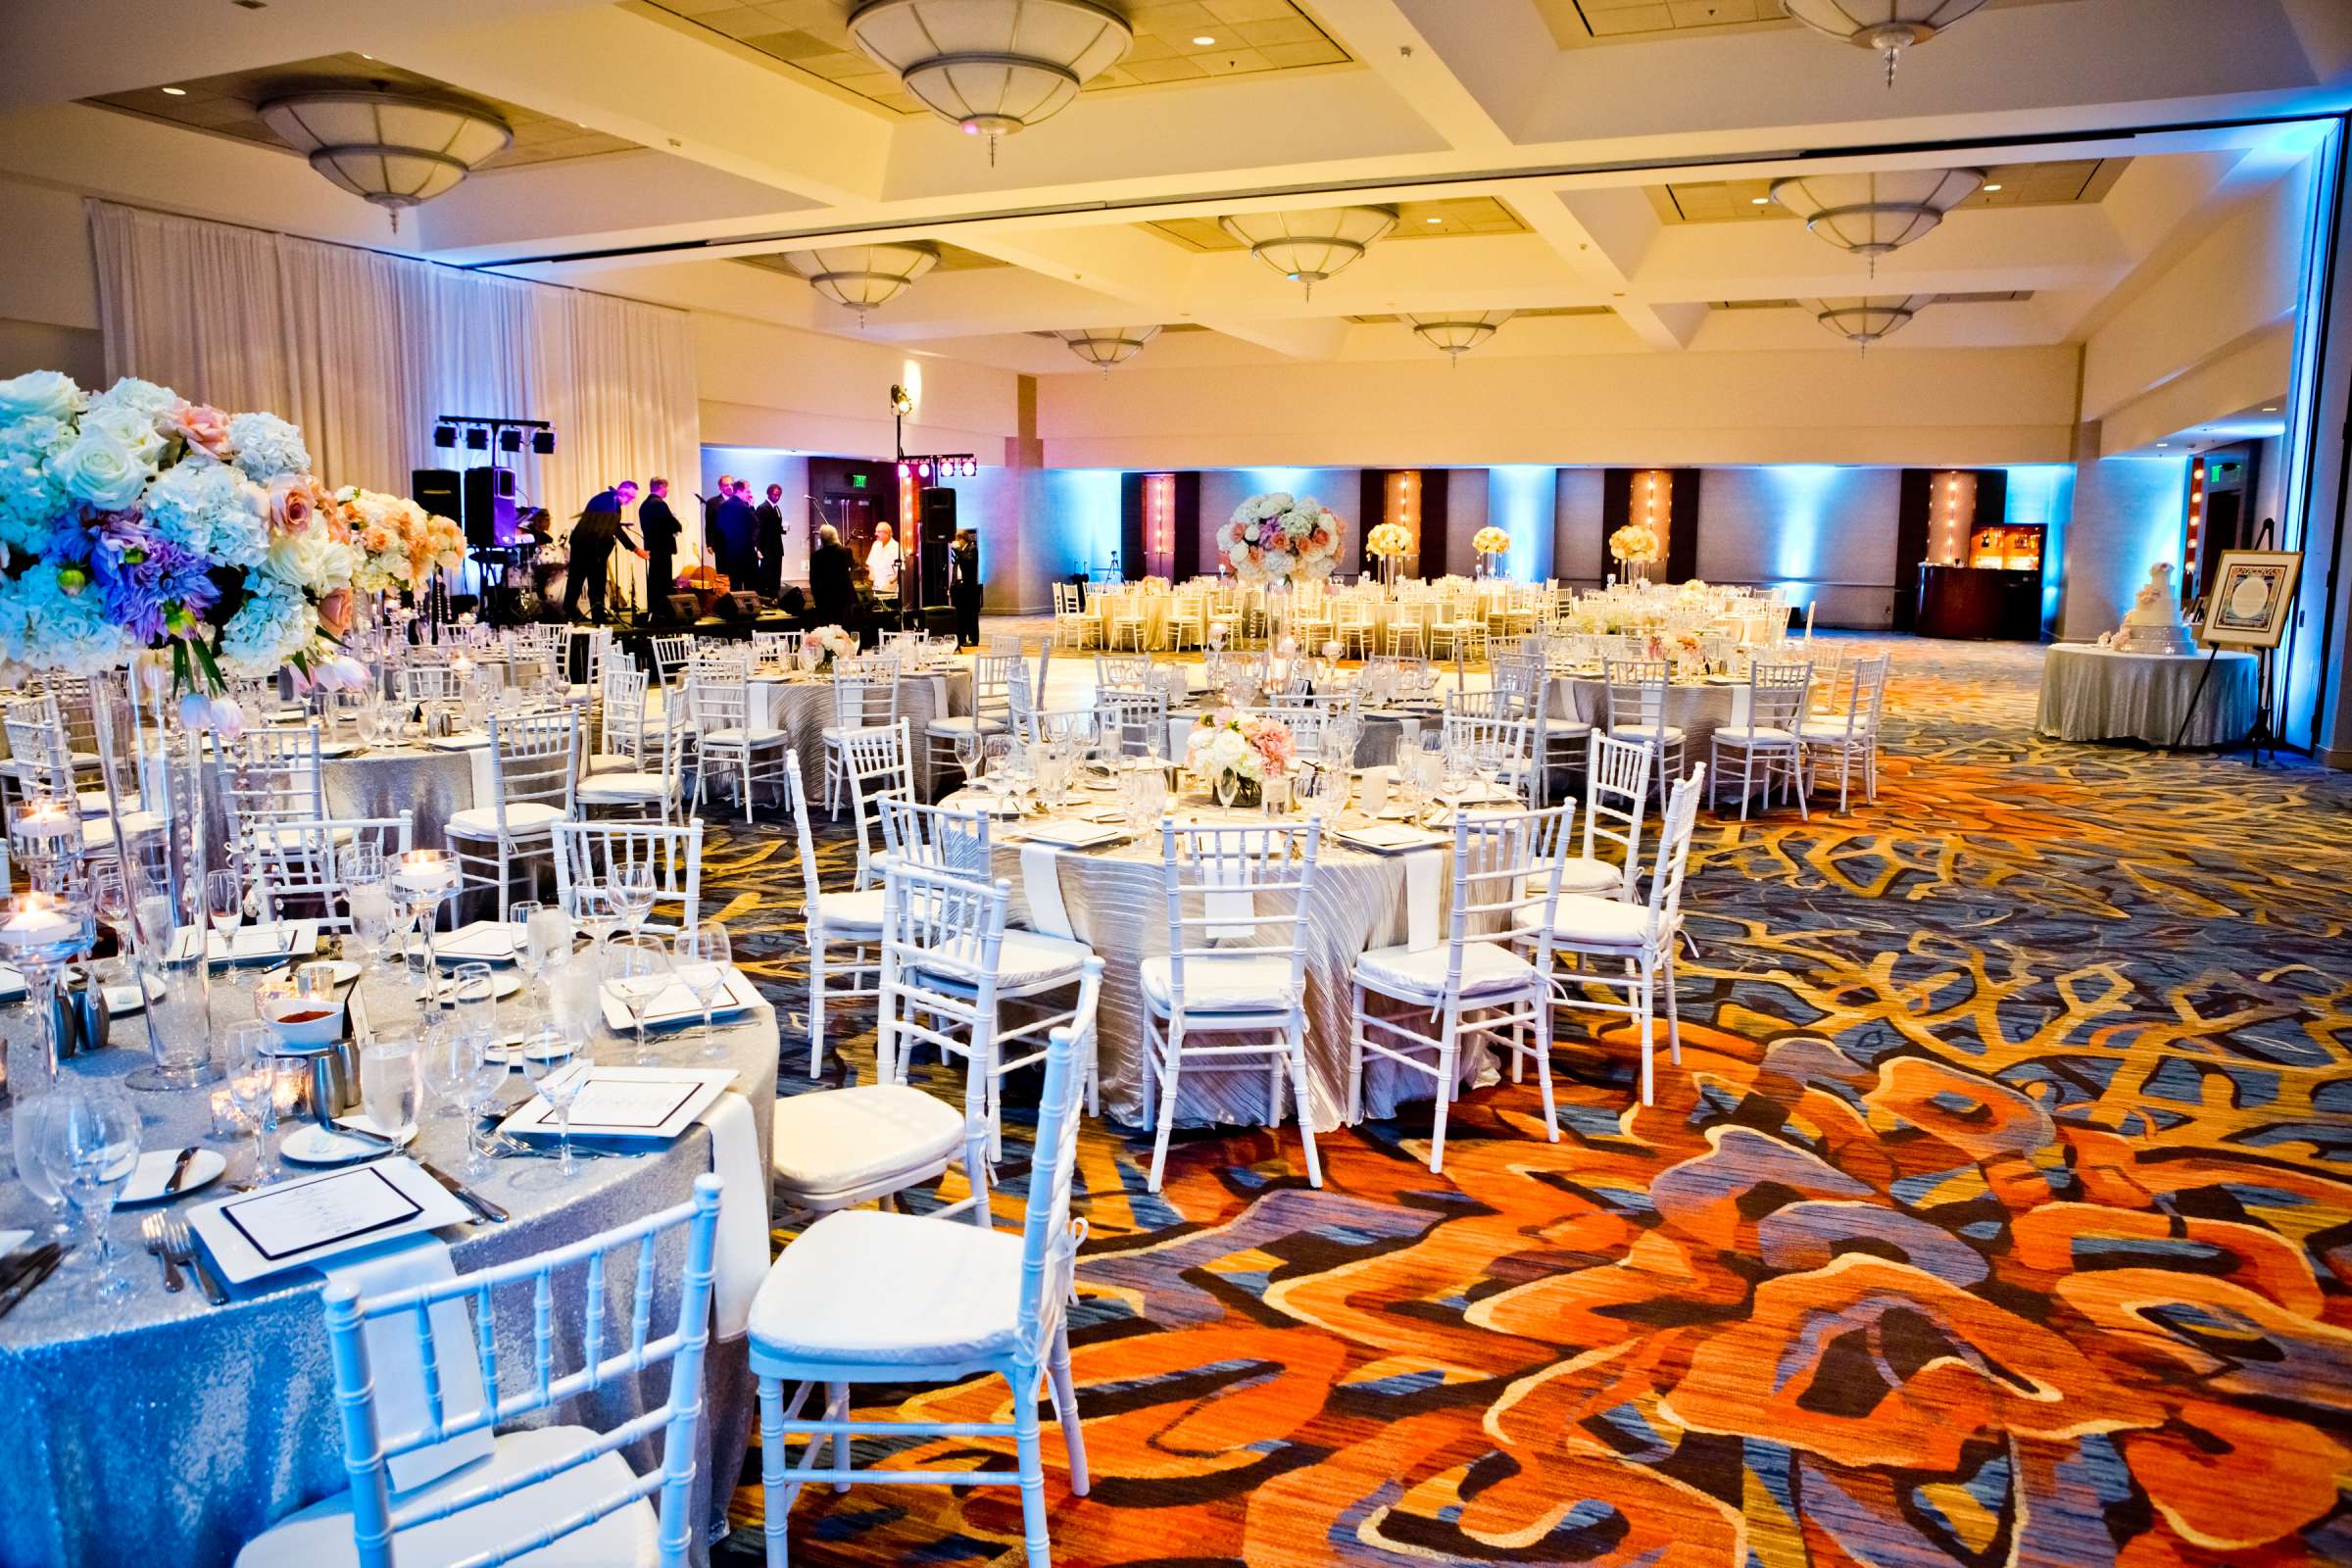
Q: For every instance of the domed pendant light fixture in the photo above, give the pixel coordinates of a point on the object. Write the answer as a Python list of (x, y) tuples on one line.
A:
[(1864, 322), (1106, 346), (1314, 244), (864, 276), (992, 67), (1454, 335), (1884, 27), (1873, 214), (391, 148)]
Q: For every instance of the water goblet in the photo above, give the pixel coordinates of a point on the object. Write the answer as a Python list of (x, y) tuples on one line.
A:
[(253, 1068), (557, 1062), (90, 1146), (547, 942), (27, 1124), (704, 955), (633, 891)]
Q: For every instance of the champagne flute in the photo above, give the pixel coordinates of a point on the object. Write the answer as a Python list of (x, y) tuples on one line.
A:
[(703, 957), (110, 900), (253, 1090), (225, 901), (638, 970), (90, 1145), (557, 1062)]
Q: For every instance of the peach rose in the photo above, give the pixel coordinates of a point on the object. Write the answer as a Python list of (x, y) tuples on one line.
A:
[(292, 505), (378, 539), (203, 427), (334, 613)]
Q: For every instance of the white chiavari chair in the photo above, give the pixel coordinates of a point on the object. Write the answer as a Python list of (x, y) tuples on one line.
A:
[(653, 791), (866, 695), (862, 1296), (1763, 743), (1634, 939), (1188, 620), (622, 722), (42, 760), (602, 853), (1131, 724), (671, 652), (1073, 626), (993, 675), (296, 870), (1616, 797), (562, 1487), (1634, 696), (534, 764), (1474, 989), (877, 764), (1481, 734), (848, 920), (1351, 626), (427, 682), (1126, 672), (776, 647), (1236, 966), (730, 739), (1852, 736)]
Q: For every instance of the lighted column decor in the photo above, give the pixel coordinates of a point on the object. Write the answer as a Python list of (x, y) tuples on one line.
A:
[(1641, 545), (2192, 554), (1954, 502), (1402, 506), (1159, 526)]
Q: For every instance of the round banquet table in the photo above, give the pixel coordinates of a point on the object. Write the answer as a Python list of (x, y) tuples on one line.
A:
[(2090, 692), (427, 780), (1115, 901), (1110, 605), (1698, 708), (801, 705), (164, 1427)]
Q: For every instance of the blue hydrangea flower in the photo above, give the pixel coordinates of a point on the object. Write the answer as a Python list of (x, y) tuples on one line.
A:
[(268, 447), (211, 510), (54, 617), (275, 622)]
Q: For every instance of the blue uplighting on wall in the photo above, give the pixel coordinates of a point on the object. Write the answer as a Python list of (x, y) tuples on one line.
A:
[(1084, 505), (1520, 500), (2043, 493), (1801, 497)]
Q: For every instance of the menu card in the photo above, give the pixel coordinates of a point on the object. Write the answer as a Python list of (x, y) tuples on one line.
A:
[(629, 1104), (282, 1222)]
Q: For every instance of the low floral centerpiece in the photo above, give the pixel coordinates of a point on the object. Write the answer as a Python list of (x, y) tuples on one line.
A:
[(828, 644), (133, 519), (401, 544), (1237, 753), (1275, 538)]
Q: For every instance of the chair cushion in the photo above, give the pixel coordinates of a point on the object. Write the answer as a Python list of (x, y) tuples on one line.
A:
[(319, 1535), (611, 763), (1486, 967), (1761, 735), (1581, 873), (837, 1140), (1830, 729), (1242, 982), (860, 910), (629, 788), (861, 1286), (1595, 921), (522, 816), (963, 724), (737, 735), (1645, 732)]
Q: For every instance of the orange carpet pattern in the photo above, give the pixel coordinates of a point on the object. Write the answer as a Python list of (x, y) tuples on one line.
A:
[(1998, 1214)]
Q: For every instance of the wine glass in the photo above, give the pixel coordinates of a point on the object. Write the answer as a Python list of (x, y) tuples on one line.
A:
[(224, 901), (473, 1078), (110, 900), (703, 957), (253, 1090), (547, 940), (592, 905), (90, 1146), (26, 1125), (557, 1062), (637, 969), (633, 891), (967, 756)]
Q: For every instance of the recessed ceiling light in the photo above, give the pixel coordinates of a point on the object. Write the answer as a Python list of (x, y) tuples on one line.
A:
[(1204, 41), (1432, 219), (1994, 186), (2161, 445), (175, 92), (366, 57), (1759, 201), (2272, 410)]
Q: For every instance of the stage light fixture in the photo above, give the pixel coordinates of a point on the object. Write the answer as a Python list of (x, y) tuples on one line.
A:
[(510, 440), (445, 435), (477, 439), (543, 442)]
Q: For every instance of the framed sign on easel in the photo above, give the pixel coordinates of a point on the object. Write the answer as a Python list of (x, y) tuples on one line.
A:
[(2251, 604)]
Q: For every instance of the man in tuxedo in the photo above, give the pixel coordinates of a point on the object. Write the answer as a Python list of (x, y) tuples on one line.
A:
[(657, 528), (732, 530), (592, 539), (771, 543), (963, 587), (832, 591)]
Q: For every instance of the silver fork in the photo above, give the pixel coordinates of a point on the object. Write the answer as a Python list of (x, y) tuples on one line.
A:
[(182, 1243), (155, 1228)]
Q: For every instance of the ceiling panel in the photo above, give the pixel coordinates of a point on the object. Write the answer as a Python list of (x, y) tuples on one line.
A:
[(1576, 23), (1452, 218), (2084, 181), (227, 106), (1246, 37)]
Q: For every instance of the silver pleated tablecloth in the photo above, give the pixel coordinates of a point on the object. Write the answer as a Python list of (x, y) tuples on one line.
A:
[(2090, 692), (162, 1429), (433, 783), (802, 705), (1698, 709), (1116, 903)]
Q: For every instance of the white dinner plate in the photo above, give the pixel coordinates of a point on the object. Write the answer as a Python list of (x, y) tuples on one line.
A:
[(312, 1145), (675, 1007), (146, 1184), (504, 983), (1068, 835), (670, 1098)]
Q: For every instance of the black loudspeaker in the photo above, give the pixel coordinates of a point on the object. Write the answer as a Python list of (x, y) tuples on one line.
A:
[(490, 507), (938, 511), (738, 606), (684, 607), (436, 491)]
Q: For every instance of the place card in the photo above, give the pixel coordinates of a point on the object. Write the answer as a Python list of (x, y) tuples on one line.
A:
[(628, 1103), (281, 1222)]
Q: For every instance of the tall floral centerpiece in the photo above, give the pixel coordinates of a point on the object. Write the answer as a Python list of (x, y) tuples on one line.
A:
[(1388, 543), (1237, 753), (1275, 539), (1637, 547), (1490, 543)]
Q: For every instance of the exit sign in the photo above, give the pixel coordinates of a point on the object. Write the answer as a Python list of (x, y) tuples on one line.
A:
[(856, 481)]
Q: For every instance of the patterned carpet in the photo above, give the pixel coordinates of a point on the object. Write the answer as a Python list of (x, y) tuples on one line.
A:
[(1996, 1215)]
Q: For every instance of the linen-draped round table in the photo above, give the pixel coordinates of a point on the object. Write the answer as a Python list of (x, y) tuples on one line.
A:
[(1115, 901), (429, 781), (164, 1428), (801, 705), (2090, 692)]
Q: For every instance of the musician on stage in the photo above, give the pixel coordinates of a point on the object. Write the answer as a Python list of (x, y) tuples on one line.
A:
[(657, 526), (592, 539)]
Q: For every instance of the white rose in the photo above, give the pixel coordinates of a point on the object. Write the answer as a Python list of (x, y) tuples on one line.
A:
[(48, 393), (130, 427), (101, 470)]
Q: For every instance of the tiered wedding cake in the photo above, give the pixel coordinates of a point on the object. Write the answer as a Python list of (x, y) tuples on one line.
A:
[(2154, 624)]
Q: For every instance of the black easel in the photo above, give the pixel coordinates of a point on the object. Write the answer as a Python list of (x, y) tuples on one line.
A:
[(2261, 736)]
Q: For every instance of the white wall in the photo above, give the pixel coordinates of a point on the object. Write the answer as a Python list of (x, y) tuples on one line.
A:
[(2127, 516), (1828, 533)]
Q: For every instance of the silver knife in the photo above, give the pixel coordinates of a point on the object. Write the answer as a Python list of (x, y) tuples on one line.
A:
[(180, 1170), (463, 1193)]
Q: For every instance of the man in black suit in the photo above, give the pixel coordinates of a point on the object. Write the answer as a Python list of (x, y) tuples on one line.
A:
[(771, 543), (963, 587), (592, 538), (832, 594), (733, 529), (657, 526)]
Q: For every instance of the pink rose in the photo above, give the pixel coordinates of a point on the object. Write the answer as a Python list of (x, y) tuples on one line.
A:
[(204, 427), (292, 505), (334, 613)]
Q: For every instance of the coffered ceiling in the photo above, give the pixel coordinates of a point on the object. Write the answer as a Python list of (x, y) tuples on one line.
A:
[(1583, 21), (1740, 201)]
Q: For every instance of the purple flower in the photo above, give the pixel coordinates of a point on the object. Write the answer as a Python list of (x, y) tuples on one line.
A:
[(143, 578)]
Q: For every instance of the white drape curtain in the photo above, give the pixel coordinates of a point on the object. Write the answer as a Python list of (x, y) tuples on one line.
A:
[(364, 350)]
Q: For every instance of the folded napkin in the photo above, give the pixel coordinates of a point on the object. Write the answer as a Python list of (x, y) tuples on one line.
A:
[(739, 1258), (1041, 885), (398, 1370)]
